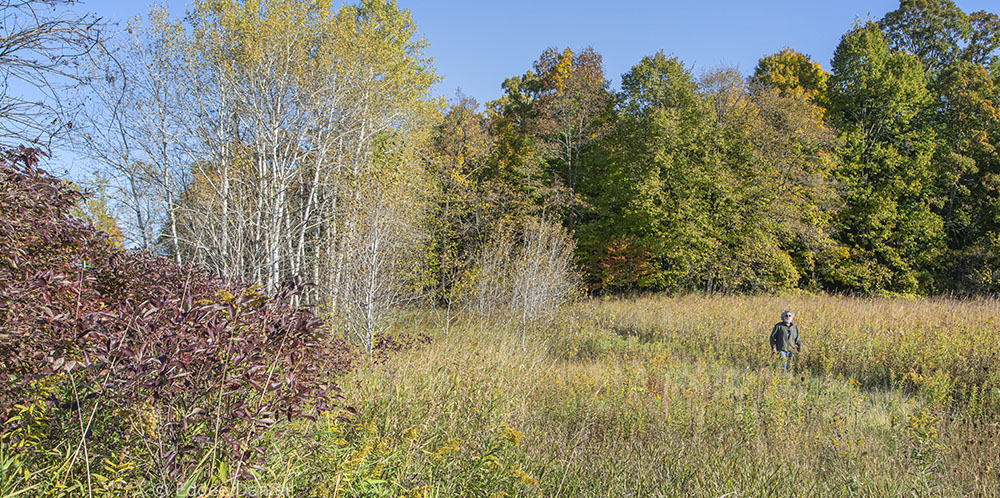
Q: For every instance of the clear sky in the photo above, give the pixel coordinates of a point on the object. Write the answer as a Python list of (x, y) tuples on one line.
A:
[(476, 44)]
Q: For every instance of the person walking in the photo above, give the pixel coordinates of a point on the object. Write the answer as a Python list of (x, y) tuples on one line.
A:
[(784, 335)]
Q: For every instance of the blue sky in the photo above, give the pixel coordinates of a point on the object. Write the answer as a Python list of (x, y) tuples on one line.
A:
[(476, 44)]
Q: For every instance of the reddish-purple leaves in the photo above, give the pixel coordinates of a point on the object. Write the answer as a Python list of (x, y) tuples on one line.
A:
[(140, 333)]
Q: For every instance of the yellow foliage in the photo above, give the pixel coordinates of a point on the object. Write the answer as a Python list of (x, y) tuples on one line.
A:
[(513, 435)]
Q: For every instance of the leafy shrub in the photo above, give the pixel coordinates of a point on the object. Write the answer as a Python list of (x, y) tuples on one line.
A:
[(127, 356)]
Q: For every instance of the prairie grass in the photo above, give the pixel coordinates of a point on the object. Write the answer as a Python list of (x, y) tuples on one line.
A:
[(947, 350), (681, 397), (654, 396)]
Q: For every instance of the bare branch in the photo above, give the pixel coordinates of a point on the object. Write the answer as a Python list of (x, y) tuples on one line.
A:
[(43, 46)]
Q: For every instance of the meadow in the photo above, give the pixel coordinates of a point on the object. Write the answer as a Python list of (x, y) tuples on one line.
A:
[(651, 396), (680, 396)]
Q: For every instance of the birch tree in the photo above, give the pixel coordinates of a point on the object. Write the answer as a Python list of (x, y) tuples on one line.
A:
[(292, 126), (130, 129)]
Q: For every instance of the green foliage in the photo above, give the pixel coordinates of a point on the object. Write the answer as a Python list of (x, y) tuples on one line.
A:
[(571, 109), (956, 51), (547, 126), (984, 40), (725, 184), (653, 175), (933, 30), (969, 117), (518, 163), (466, 204), (878, 100), (876, 178)]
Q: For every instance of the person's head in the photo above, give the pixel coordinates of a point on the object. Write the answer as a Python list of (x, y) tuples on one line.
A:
[(787, 315)]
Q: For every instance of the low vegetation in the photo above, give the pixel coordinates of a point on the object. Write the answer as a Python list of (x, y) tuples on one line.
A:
[(612, 399), (680, 397)]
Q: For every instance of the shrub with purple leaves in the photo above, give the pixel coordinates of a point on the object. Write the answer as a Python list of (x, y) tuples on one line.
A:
[(124, 350)]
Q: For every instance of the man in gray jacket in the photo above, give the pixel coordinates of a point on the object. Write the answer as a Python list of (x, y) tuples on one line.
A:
[(784, 335)]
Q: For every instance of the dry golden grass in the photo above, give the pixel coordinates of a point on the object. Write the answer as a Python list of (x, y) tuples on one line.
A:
[(943, 348), (680, 396), (656, 396)]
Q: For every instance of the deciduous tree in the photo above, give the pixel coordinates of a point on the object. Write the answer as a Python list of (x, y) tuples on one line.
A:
[(791, 73), (878, 100)]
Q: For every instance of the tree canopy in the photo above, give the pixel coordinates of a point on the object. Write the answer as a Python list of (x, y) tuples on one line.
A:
[(266, 140)]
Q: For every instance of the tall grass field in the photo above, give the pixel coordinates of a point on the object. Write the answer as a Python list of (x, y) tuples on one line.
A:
[(651, 396), (681, 396)]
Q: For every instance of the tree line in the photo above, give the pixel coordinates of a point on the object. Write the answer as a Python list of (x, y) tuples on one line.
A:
[(877, 177), (282, 140), (266, 140)]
